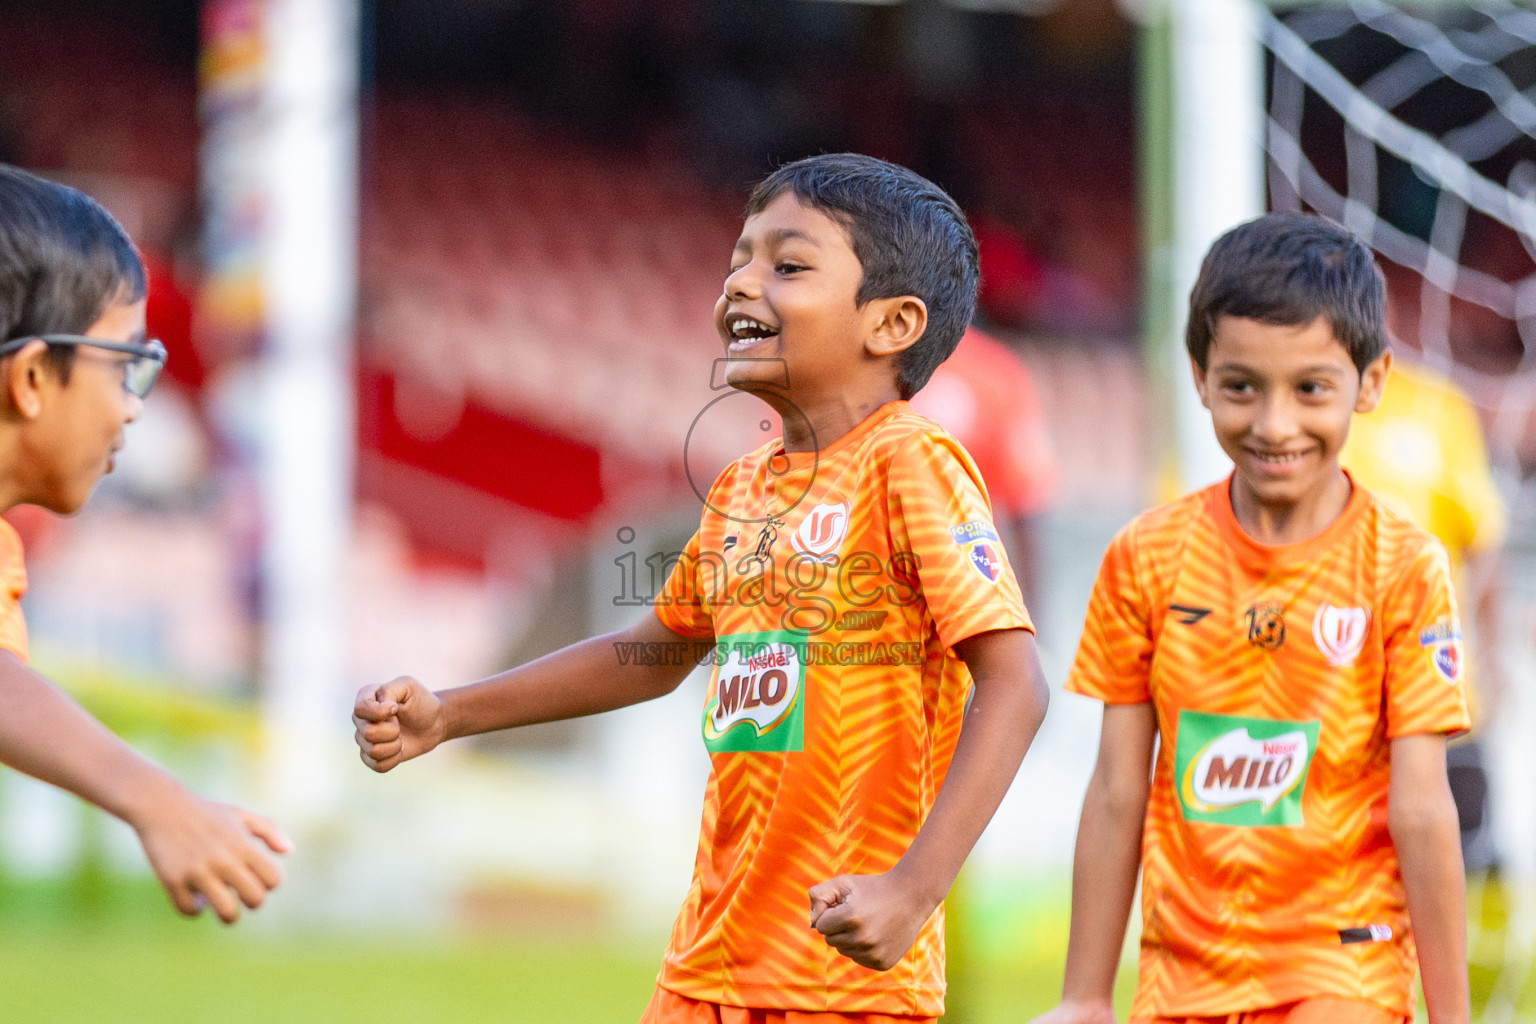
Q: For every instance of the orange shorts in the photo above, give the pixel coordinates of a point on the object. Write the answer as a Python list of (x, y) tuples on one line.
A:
[(670, 1008), (1318, 1010)]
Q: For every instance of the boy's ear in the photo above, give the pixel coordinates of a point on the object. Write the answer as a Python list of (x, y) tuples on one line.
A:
[(900, 322), (1373, 383), (23, 378), (1201, 383)]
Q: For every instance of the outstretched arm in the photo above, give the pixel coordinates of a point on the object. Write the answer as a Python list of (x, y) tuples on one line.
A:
[(202, 851), (403, 719), (874, 919), (1422, 819)]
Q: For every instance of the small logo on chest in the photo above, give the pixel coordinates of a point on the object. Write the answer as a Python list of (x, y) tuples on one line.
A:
[(1266, 626), (1340, 633), (1188, 614), (821, 532)]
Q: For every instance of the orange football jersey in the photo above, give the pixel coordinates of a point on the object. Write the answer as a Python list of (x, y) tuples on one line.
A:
[(834, 586), (1279, 676), (13, 584)]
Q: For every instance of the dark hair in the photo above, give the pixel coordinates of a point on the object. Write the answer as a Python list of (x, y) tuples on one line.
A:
[(1289, 269), (63, 259), (910, 237)]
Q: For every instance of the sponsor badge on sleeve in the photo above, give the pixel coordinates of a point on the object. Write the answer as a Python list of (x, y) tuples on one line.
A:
[(756, 699), (1443, 642), (982, 548), (1232, 770)]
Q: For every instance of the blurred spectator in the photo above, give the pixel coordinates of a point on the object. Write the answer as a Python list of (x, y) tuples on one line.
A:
[(1021, 289), (1422, 452), (985, 397), (168, 316), (1013, 275)]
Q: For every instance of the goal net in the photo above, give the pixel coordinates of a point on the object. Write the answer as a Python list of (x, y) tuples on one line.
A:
[(1416, 128)]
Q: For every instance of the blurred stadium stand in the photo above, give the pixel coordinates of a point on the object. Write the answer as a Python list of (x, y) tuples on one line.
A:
[(535, 291), (549, 198)]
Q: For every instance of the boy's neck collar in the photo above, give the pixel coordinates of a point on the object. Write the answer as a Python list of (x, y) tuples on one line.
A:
[(1287, 548), (819, 426), (798, 458)]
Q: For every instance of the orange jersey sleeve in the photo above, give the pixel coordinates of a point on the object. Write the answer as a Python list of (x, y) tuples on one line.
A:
[(13, 584), (940, 514), (680, 606), (1425, 686), (1114, 656)]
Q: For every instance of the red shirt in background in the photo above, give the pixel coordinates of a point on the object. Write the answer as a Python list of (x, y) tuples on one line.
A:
[(984, 395), (168, 316)]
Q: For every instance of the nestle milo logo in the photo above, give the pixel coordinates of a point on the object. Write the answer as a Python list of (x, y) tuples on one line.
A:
[(757, 697), (1232, 770)]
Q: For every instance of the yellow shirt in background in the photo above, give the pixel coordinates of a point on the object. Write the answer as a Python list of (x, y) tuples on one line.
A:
[(1422, 452)]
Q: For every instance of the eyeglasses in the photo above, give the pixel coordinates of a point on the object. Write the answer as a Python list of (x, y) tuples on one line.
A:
[(139, 373)]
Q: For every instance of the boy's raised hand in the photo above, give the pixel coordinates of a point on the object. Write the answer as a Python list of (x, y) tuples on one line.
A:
[(206, 853), (397, 721), (871, 919)]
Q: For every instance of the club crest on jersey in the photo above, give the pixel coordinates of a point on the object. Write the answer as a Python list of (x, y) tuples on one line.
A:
[(1266, 626), (757, 698), (821, 532), (1443, 641), (1340, 633), (982, 548), (1233, 770)]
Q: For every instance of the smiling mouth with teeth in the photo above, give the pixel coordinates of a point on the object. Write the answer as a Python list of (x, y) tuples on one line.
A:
[(746, 331), (1276, 458)]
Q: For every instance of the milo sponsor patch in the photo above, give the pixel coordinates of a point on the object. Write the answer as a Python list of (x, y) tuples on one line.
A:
[(1232, 770), (757, 696)]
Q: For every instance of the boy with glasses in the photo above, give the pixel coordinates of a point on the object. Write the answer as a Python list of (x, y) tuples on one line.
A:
[(140, 371), (74, 370)]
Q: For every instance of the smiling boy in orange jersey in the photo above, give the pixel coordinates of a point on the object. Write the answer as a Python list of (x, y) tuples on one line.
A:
[(853, 588), (1294, 645), (74, 370)]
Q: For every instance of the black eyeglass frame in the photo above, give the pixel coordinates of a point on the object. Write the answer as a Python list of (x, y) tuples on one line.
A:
[(150, 351)]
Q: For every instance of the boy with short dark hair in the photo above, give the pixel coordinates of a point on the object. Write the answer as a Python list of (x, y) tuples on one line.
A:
[(1294, 645), (849, 582), (74, 370)]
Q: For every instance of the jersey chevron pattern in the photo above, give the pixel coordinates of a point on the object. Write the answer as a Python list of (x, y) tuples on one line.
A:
[(1279, 676), (835, 700)]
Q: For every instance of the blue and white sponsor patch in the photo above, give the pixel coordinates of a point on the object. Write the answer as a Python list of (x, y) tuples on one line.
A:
[(1441, 631), (983, 549), (986, 559), (1447, 661), (971, 531), (1443, 641)]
